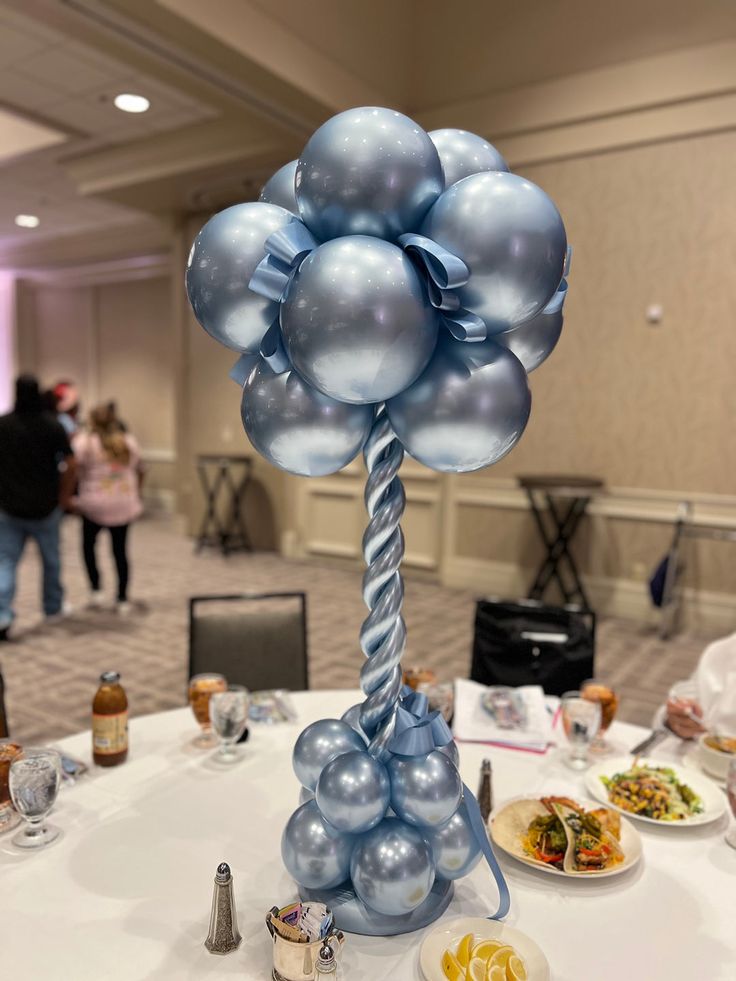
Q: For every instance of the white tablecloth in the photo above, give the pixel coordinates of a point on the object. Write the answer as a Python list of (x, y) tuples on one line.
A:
[(126, 893)]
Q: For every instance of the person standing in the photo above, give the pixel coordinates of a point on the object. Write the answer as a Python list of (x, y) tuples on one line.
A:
[(110, 478), (37, 478)]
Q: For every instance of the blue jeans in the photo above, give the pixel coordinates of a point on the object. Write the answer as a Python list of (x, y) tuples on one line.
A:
[(13, 535)]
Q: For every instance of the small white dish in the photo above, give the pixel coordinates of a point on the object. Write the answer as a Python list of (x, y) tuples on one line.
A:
[(693, 759), (713, 761), (449, 934)]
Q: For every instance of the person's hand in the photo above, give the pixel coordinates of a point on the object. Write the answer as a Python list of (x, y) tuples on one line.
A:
[(679, 717)]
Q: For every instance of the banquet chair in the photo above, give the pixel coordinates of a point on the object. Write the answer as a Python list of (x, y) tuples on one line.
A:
[(256, 640)]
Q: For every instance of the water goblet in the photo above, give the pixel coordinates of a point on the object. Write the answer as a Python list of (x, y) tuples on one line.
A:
[(229, 714), (34, 783), (581, 721), (201, 689), (731, 792), (597, 691)]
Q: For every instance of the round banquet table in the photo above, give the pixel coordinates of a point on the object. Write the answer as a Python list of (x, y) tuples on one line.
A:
[(126, 892)]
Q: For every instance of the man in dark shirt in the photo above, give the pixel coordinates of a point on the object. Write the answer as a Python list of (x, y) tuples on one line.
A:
[(37, 475)]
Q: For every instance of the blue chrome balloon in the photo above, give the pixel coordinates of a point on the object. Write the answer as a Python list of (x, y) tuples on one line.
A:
[(451, 752), (367, 171), (510, 235), (316, 855), (320, 743), (468, 408), (463, 153), (357, 322), (352, 717), (392, 869), (279, 188), (455, 848), (297, 428), (221, 262), (353, 792), (425, 790), (534, 341)]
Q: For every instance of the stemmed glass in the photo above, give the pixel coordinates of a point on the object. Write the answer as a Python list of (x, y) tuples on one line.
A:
[(34, 783), (229, 714), (731, 791), (201, 689), (581, 720), (597, 691)]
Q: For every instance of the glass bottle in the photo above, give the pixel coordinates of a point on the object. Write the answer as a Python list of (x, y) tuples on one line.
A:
[(485, 791), (325, 968), (110, 721)]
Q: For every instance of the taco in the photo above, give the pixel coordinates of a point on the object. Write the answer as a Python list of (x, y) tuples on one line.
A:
[(593, 836), (529, 831)]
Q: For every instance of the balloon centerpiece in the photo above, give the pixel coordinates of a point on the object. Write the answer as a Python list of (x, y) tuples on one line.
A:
[(391, 290)]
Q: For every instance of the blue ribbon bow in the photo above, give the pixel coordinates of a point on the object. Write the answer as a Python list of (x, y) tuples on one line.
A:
[(286, 249), (444, 274)]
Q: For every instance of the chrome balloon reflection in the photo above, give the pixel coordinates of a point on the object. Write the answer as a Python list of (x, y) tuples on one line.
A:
[(279, 188), (367, 171), (455, 848), (534, 341), (425, 790), (392, 869), (357, 322), (296, 427), (318, 744), (316, 855), (353, 792), (511, 237), (467, 409), (221, 262), (463, 153)]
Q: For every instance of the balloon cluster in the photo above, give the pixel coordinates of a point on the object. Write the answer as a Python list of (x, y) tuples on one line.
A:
[(385, 265), (393, 825)]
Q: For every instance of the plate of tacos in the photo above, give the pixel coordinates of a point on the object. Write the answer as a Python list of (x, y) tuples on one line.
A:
[(567, 837)]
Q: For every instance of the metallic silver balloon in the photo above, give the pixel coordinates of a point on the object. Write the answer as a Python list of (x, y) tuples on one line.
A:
[(367, 171), (357, 322), (451, 752), (392, 868), (510, 235), (297, 428), (463, 153), (279, 188), (454, 846), (221, 262), (534, 341), (425, 790), (320, 743), (315, 855), (352, 717), (353, 792), (466, 410)]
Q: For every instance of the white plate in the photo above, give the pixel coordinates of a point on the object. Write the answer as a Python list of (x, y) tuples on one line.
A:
[(714, 803), (450, 933), (630, 843)]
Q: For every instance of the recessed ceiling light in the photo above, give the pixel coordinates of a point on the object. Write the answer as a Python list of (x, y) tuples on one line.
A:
[(129, 102), (27, 221)]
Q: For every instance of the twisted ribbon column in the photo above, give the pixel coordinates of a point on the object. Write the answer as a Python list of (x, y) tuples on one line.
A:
[(383, 634)]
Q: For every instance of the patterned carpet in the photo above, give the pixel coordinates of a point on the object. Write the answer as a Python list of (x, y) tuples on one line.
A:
[(51, 671)]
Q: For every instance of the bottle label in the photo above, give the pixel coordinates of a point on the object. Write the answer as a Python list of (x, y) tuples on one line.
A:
[(110, 733)]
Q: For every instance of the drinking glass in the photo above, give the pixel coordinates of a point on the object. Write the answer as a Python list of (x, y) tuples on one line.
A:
[(597, 691), (581, 720), (201, 689), (229, 714), (9, 751), (731, 791), (34, 783)]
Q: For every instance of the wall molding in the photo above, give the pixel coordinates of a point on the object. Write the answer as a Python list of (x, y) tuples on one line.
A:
[(158, 455)]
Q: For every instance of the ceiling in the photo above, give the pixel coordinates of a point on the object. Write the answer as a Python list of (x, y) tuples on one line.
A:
[(236, 86)]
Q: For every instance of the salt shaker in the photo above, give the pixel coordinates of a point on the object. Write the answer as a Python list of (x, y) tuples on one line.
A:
[(325, 967), (223, 935), (485, 791)]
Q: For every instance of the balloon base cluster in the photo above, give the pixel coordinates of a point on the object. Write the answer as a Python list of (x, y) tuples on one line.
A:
[(353, 916)]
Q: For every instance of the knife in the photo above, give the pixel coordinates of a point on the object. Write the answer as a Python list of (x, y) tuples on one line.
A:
[(656, 737)]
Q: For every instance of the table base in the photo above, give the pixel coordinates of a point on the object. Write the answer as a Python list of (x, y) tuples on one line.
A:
[(353, 916)]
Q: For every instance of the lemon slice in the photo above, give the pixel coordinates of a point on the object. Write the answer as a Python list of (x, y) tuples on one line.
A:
[(496, 974), (476, 970), (515, 970), (485, 949), (463, 950), (451, 968), (501, 957)]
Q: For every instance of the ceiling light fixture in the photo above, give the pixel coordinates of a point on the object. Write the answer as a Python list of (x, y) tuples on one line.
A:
[(27, 221), (129, 102)]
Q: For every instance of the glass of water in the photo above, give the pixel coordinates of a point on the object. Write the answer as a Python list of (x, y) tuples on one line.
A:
[(581, 720), (34, 783), (229, 717)]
